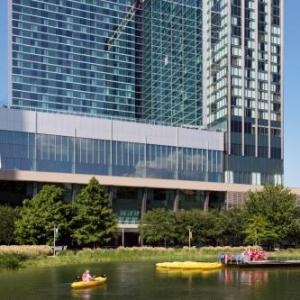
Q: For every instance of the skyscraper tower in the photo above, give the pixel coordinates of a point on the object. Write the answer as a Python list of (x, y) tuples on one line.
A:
[(243, 85)]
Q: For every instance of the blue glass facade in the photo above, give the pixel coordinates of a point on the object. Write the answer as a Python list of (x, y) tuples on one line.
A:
[(54, 153), (67, 57), (173, 61), (123, 59)]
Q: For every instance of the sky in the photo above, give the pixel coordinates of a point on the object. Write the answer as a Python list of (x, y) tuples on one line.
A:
[(292, 85)]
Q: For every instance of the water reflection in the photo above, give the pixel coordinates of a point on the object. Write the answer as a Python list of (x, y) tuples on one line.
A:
[(244, 277), (82, 294), (86, 294), (226, 276), (163, 272)]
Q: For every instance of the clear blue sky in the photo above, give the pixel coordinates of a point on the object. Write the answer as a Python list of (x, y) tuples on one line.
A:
[(292, 84)]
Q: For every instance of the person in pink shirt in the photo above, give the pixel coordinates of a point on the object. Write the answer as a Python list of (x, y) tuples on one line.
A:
[(86, 276)]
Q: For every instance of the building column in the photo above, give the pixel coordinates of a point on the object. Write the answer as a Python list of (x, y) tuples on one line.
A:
[(111, 195), (143, 210), (227, 200), (206, 201), (111, 148), (73, 194), (144, 202), (176, 201), (123, 237), (35, 188)]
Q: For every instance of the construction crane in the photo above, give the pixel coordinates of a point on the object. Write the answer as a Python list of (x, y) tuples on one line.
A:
[(120, 28)]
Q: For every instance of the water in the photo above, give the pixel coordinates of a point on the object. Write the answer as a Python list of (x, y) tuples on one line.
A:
[(142, 281)]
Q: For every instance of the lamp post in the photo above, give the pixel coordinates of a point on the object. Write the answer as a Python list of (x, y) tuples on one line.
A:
[(55, 235), (190, 235), (54, 240)]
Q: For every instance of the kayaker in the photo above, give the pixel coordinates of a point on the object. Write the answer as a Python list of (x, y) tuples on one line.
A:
[(86, 276)]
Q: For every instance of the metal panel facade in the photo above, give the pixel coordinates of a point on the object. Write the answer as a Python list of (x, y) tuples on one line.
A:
[(106, 129)]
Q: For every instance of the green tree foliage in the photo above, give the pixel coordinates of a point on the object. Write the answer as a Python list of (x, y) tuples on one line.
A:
[(185, 220), (259, 231), (8, 216), (207, 227), (277, 206), (293, 236), (213, 232), (39, 214), (268, 217), (234, 222), (165, 226), (158, 226), (93, 221)]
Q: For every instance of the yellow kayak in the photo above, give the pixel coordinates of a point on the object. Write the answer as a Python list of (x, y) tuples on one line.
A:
[(189, 265), (87, 284)]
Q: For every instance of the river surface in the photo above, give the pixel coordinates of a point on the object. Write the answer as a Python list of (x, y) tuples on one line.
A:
[(142, 281)]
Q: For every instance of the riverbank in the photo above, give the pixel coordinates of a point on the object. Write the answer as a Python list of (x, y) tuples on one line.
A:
[(38, 258), (122, 255), (14, 257)]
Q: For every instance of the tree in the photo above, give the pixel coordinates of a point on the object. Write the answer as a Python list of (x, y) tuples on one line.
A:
[(212, 231), (185, 220), (40, 214), (93, 221), (293, 235), (157, 226), (207, 227), (277, 206), (8, 216), (234, 225), (259, 231)]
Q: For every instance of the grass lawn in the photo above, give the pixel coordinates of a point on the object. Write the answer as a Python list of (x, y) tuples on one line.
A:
[(34, 257)]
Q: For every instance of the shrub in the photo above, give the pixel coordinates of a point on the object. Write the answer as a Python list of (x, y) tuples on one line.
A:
[(10, 261), (8, 216)]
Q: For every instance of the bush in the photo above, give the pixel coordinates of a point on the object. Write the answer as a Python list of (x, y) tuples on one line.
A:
[(8, 216), (11, 261)]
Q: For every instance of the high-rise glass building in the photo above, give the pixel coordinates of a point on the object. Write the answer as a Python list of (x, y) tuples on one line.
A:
[(214, 64), (75, 56), (243, 85), (123, 59)]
